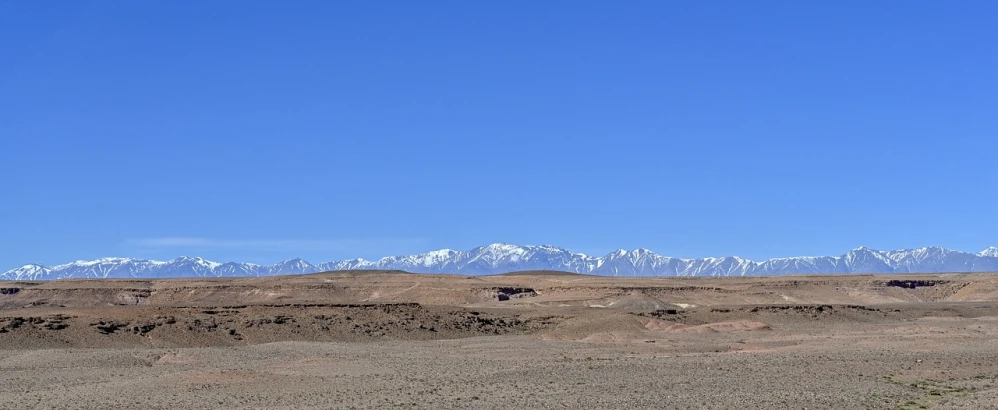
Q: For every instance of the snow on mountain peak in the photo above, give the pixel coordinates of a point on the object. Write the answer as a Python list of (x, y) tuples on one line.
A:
[(504, 257), (433, 257), (503, 248), (101, 261), (198, 261), (30, 271)]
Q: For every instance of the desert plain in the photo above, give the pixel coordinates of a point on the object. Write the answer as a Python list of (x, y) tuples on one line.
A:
[(373, 339)]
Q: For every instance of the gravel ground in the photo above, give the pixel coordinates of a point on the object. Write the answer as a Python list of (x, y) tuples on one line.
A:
[(495, 372)]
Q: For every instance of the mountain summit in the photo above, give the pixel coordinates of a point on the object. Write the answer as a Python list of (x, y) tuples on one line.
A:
[(503, 257)]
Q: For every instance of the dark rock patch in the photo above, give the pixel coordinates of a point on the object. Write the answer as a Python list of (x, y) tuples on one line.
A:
[(912, 284), (109, 327), (507, 293)]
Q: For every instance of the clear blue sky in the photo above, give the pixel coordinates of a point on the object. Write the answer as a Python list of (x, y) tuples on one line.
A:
[(261, 131)]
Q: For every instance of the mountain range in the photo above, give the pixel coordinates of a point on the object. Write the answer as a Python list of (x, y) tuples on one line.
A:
[(501, 258)]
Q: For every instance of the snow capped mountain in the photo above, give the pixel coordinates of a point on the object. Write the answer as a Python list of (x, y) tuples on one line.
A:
[(502, 257), (291, 267), (27, 272), (233, 269), (113, 268)]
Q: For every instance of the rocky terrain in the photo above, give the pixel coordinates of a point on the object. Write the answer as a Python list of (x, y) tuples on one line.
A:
[(376, 339)]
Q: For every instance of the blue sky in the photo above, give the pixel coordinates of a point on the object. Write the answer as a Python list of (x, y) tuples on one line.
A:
[(261, 131)]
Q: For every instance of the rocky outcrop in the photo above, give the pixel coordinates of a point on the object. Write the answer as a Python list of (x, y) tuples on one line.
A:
[(912, 284)]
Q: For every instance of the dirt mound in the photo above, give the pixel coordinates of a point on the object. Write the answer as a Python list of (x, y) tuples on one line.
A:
[(733, 326), (635, 302), (976, 292), (609, 325)]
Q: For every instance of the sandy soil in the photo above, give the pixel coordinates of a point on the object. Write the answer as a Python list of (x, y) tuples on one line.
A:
[(532, 340)]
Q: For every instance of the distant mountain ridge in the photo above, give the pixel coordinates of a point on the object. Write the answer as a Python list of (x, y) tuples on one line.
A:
[(502, 258)]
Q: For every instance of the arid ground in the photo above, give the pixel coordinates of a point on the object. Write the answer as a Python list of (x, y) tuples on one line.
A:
[(529, 340)]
